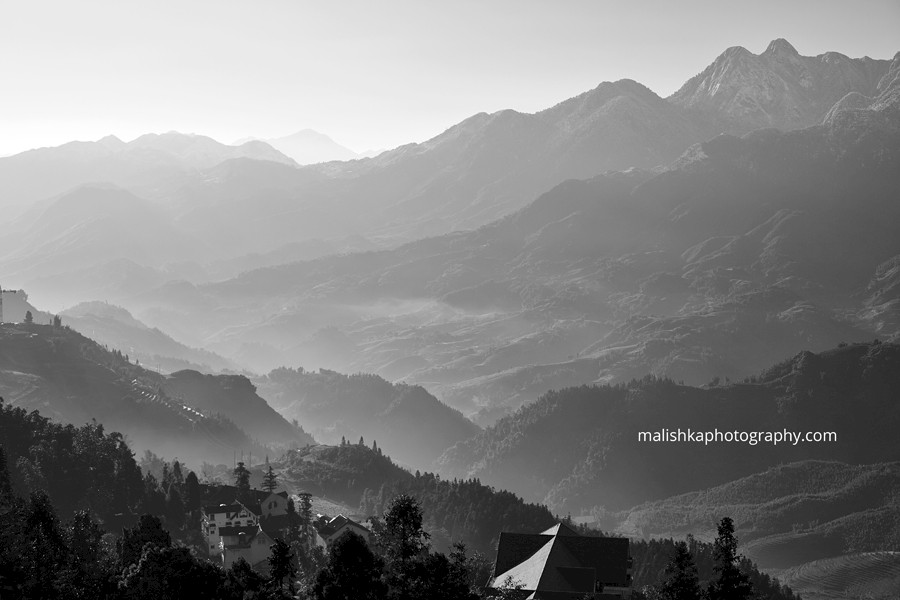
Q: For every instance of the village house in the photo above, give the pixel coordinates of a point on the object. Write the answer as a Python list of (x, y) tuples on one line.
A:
[(244, 527), (329, 530), (560, 564)]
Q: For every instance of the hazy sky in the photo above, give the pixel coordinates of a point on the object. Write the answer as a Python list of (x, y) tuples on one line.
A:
[(371, 74)]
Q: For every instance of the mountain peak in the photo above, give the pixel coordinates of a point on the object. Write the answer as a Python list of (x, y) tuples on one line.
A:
[(781, 47)]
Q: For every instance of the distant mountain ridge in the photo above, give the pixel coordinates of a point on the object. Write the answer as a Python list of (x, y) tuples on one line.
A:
[(743, 250), (308, 147), (777, 88), (146, 160)]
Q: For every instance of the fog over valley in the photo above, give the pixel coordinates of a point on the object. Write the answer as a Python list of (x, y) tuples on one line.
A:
[(263, 362)]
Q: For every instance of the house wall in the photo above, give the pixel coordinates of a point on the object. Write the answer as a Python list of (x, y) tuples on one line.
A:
[(212, 523), (358, 529), (274, 505), (257, 550)]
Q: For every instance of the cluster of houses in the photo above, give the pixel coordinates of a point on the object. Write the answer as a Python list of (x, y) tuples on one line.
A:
[(556, 564), (246, 528)]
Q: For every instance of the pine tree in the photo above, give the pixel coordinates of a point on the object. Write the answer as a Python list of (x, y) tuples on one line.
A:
[(731, 583), (293, 519), (352, 571), (270, 480), (682, 581), (174, 508), (282, 565), (6, 492), (241, 478), (177, 475), (192, 492), (305, 515)]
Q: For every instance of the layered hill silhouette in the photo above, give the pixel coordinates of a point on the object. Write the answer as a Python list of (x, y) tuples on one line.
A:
[(253, 199), (579, 447), (827, 529), (308, 147), (72, 379), (146, 160), (789, 514), (115, 327), (745, 250), (407, 422)]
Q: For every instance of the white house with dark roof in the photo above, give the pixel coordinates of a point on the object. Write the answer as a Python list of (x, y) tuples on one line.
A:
[(329, 530), (251, 543), (224, 519)]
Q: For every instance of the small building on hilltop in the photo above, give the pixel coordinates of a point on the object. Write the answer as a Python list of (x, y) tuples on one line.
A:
[(560, 564)]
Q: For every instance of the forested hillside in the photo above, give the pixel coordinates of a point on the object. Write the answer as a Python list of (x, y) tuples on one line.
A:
[(578, 447), (72, 379), (411, 425)]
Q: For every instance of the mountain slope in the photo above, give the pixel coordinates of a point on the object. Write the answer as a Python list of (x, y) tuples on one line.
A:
[(579, 447), (309, 147), (789, 514), (88, 226), (45, 172), (72, 379), (778, 88), (410, 424), (743, 251), (117, 328)]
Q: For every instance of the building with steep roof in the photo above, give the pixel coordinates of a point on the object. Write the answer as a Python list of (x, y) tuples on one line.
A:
[(261, 511), (560, 564), (329, 530), (251, 543)]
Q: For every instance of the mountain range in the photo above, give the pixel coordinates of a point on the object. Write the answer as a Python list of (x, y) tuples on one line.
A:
[(308, 147), (743, 251), (254, 199)]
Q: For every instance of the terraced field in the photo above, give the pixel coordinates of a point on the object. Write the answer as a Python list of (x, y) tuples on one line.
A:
[(864, 576)]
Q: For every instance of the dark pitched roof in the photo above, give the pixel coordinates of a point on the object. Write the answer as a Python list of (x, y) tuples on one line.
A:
[(560, 560), (335, 524), (247, 529), (231, 507), (275, 525), (561, 529)]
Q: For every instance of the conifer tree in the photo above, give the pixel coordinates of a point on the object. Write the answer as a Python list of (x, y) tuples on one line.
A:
[(282, 565), (682, 581), (241, 478), (730, 582), (270, 480)]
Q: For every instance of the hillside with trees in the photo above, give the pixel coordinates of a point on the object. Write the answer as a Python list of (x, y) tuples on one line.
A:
[(72, 379), (411, 425), (578, 448)]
